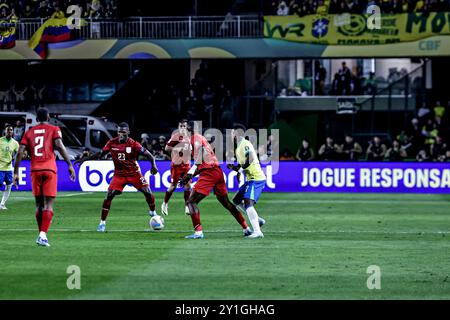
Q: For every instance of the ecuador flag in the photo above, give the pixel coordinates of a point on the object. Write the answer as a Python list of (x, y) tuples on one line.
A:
[(53, 30), (7, 35)]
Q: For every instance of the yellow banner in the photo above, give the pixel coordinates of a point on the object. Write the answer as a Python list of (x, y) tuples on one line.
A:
[(353, 29)]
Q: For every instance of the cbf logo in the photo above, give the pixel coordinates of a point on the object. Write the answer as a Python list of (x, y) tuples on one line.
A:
[(320, 28)]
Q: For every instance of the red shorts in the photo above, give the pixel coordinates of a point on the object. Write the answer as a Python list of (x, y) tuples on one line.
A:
[(44, 183), (178, 171), (119, 182), (211, 178)]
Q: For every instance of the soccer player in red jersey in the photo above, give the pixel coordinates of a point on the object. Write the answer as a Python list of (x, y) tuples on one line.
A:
[(179, 144), (124, 152), (40, 142), (210, 177)]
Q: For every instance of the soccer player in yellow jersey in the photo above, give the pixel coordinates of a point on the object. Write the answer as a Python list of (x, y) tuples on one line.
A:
[(250, 191), (8, 147)]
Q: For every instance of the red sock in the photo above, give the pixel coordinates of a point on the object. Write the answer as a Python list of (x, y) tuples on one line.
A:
[(105, 208), (239, 217), (186, 195), (167, 196), (150, 201), (47, 216), (196, 221), (39, 218)]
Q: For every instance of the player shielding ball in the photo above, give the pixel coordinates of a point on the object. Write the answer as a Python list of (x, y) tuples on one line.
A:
[(40, 142), (179, 145), (250, 191), (210, 178), (8, 148), (124, 152)]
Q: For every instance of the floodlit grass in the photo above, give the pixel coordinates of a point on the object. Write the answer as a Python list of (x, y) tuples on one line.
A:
[(316, 246)]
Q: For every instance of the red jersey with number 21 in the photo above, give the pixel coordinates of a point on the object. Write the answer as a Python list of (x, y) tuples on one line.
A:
[(39, 141), (124, 155)]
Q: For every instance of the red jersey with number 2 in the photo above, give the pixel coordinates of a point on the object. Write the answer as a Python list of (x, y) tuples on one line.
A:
[(39, 141), (124, 155)]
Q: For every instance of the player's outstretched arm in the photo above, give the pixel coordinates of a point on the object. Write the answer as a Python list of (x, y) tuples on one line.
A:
[(154, 169), (19, 157), (59, 145)]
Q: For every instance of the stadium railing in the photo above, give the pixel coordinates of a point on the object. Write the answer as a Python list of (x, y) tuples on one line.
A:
[(159, 27), (401, 96)]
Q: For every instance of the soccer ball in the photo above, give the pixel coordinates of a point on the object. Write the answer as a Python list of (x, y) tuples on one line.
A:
[(157, 223)]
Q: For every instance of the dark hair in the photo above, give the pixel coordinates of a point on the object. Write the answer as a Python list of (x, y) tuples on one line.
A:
[(306, 140), (183, 121), (7, 125), (124, 125), (42, 115)]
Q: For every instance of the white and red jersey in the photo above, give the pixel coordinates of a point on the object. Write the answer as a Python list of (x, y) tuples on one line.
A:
[(124, 155), (39, 142), (209, 159), (181, 154)]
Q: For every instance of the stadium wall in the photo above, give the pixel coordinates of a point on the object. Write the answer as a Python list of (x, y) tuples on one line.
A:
[(285, 176)]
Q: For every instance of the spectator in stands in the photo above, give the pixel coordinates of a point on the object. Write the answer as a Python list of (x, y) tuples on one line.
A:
[(319, 78), (145, 142), (429, 131), (5, 98), (154, 145), (423, 113), (356, 81), (438, 148), (191, 105), (86, 154), (19, 89), (227, 106), (370, 84), (38, 89), (376, 150), (395, 152), (335, 85), (344, 80), (283, 9), (208, 106), (422, 156), (19, 130), (439, 110), (162, 142), (446, 158), (350, 149), (286, 155), (414, 133), (305, 152), (28, 12), (161, 155), (329, 150)]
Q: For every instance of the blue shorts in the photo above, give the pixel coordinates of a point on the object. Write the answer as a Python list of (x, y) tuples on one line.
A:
[(250, 190), (6, 176)]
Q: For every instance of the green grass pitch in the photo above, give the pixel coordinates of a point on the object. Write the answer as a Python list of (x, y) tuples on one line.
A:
[(316, 246)]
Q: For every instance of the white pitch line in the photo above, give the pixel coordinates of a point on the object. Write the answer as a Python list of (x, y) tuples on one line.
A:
[(235, 231), (20, 198)]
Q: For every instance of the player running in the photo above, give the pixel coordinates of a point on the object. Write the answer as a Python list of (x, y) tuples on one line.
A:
[(178, 145), (124, 152), (210, 177), (8, 147), (40, 142), (250, 191)]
